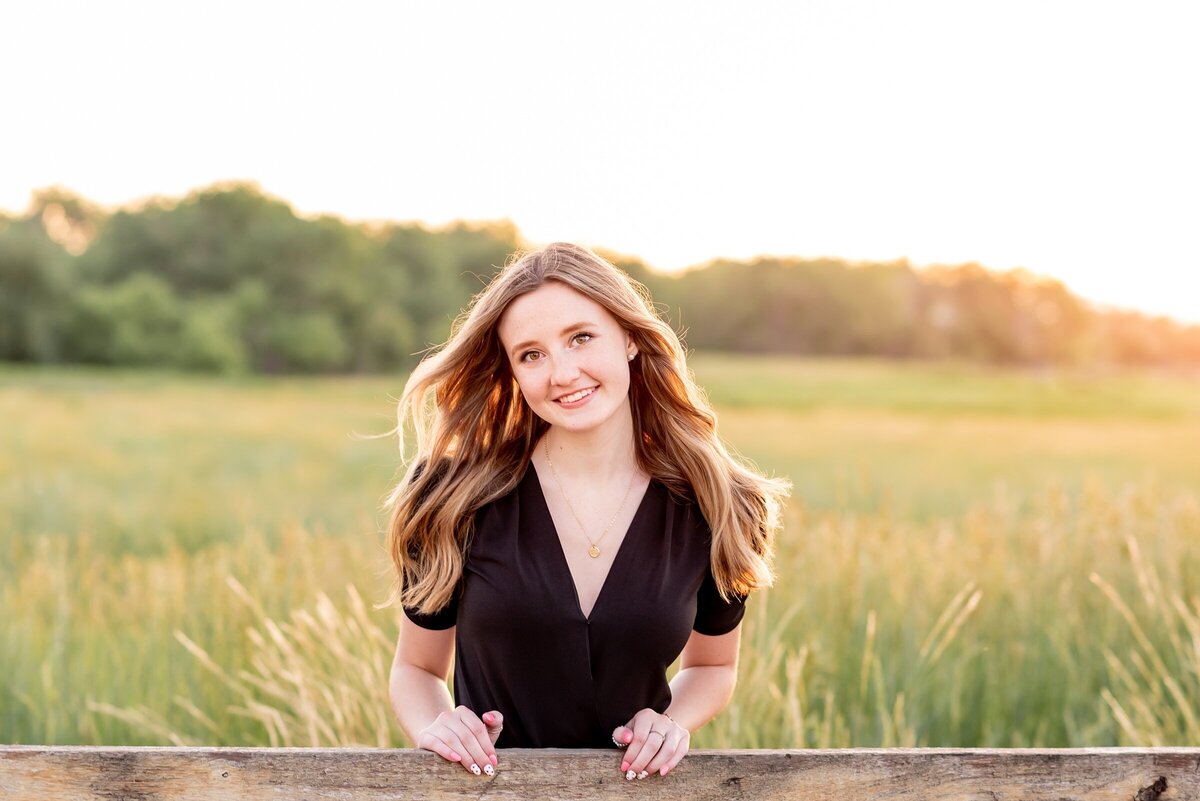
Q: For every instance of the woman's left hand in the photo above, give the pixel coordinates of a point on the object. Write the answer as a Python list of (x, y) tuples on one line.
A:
[(655, 743)]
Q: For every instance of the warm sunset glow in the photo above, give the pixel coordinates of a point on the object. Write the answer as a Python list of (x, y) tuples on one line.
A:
[(1058, 137)]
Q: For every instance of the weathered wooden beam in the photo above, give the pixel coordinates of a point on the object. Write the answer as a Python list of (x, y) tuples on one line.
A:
[(41, 773)]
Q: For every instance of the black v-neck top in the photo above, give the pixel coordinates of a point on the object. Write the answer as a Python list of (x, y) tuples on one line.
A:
[(523, 645)]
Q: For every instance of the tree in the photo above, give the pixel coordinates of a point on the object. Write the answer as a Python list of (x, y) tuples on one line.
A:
[(68, 219), (34, 286), (135, 322)]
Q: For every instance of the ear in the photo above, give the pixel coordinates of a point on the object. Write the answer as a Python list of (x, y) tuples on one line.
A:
[(630, 348)]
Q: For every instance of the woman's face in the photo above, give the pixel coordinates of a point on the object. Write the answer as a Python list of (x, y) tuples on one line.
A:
[(569, 355)]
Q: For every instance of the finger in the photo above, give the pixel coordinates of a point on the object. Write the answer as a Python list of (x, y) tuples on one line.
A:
[(641, 728), (482, 733), (669, 746), (474, 753), (475, 729), (622, 735), (431, 742), (680, 752), (454, 741), (494, 722), (653, 744)]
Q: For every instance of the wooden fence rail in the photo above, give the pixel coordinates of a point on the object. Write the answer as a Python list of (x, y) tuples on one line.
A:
[(42, 773)]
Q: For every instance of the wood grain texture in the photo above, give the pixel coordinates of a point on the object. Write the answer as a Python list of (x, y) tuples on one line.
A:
[(39, 773)]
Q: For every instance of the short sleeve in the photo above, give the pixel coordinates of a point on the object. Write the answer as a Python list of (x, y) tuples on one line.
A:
[(440, 620), (713, 615)]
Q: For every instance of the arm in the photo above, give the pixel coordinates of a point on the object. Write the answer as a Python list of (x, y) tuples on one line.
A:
[(417, 685), (706, 678), (422, 703)]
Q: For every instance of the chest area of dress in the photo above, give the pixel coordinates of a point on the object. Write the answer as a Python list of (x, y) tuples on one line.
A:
[(517, 576)]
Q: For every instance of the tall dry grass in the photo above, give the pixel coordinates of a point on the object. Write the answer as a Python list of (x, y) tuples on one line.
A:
[(316, 679), (1154, 693), (993, 630)]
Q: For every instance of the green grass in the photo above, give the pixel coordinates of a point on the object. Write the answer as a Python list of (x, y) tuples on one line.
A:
[(972, 556), (941, 388)]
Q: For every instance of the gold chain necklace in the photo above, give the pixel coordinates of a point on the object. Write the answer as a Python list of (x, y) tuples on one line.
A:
[(593, 551)]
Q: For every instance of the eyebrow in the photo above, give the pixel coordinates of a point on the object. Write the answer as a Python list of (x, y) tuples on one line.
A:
[(520, 346)]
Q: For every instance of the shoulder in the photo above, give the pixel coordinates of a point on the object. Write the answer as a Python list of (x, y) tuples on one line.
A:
[(447, 483), (505, 499)]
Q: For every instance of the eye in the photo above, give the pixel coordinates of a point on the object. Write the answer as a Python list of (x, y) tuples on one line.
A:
[(581, 337), (530, 356)]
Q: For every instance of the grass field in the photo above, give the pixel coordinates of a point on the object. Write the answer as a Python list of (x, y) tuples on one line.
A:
[(972, 557)]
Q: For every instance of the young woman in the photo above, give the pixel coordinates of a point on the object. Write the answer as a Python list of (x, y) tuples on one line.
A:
[(569, 526)]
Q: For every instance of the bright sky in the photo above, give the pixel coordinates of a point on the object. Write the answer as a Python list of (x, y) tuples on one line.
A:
[(1056, 136)]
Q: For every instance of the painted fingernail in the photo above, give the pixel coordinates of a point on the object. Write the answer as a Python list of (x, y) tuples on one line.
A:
[(454, 756), (663, 772), (624, 766), (475, 769), (643, 774), (494, 759), (489, 770), (630, 775)]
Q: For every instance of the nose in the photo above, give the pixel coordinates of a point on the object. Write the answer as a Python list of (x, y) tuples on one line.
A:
[(565, 370)]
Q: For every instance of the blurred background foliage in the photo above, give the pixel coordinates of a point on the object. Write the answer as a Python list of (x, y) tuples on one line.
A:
[(231, 280)]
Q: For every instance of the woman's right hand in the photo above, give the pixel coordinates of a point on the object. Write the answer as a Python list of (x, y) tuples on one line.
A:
[(461, 736)]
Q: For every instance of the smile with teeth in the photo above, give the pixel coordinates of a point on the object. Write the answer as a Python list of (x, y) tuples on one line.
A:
[(574, 396)]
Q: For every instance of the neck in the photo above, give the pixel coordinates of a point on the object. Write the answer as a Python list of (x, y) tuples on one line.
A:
[(601, 453)]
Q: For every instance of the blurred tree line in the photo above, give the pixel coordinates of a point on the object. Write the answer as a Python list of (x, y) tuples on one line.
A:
[(231, 280)]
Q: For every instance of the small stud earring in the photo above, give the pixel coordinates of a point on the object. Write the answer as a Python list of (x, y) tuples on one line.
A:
[(631, 356)]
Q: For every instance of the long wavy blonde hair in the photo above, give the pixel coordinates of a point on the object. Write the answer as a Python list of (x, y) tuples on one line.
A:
[(475, 435)]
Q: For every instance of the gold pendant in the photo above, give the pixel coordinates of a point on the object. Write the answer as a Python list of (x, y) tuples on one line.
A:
[(594, 552)]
